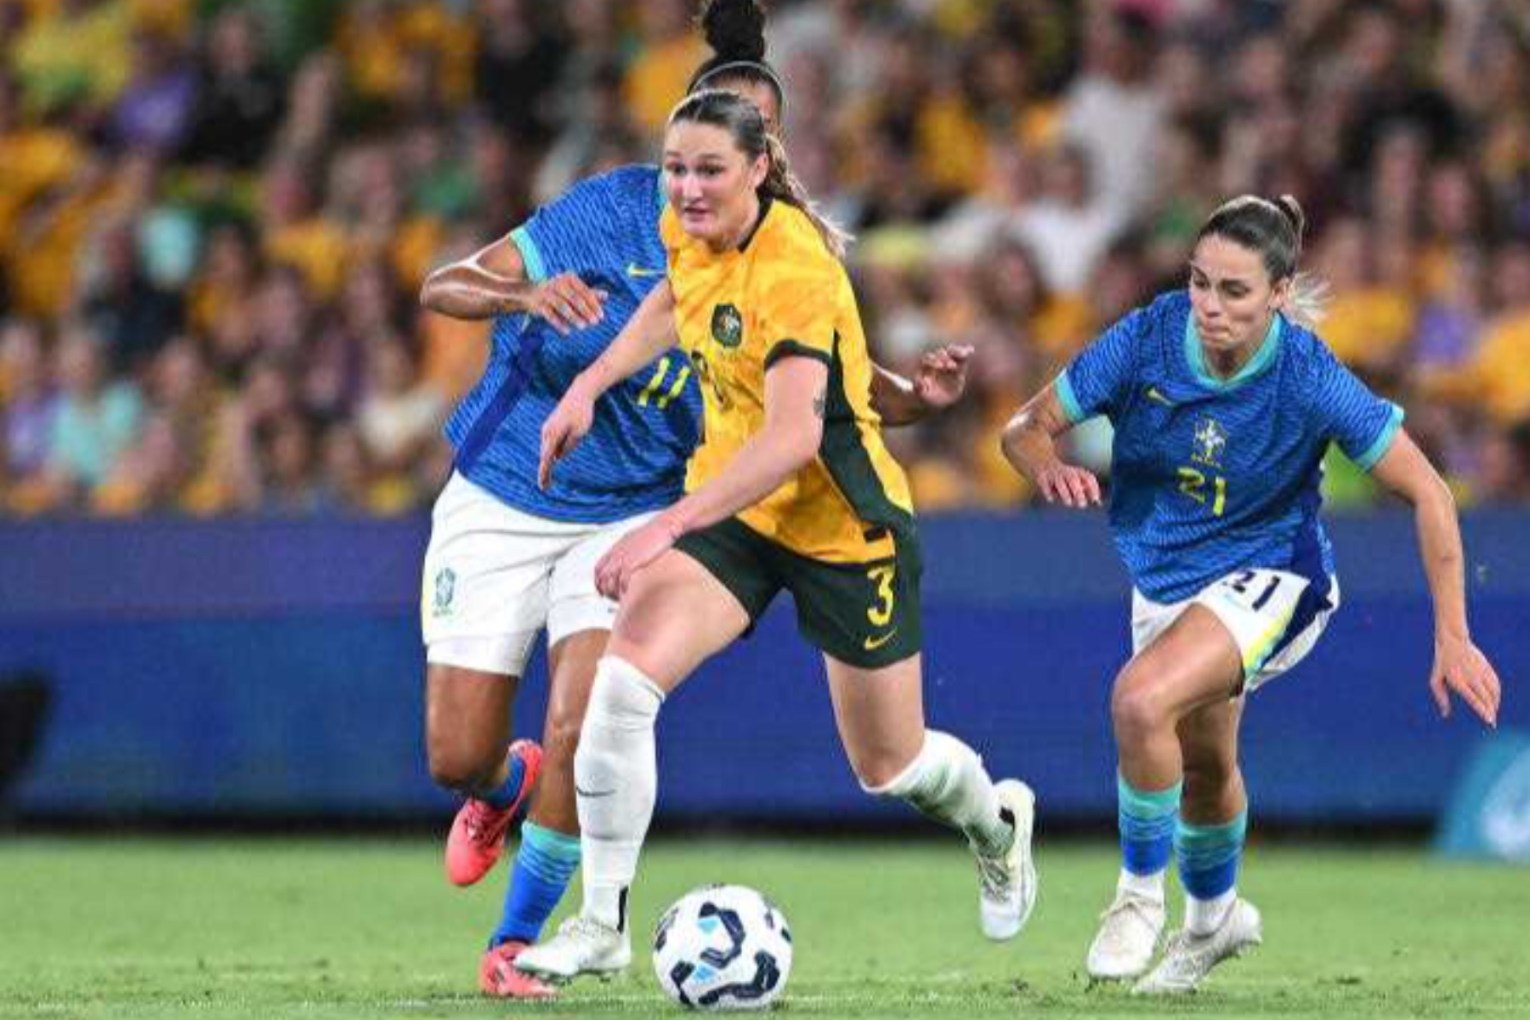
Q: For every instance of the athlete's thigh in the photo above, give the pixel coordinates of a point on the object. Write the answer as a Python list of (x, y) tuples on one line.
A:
[(674, 616), (1193, 662), (467, 718), (879, 713), (486, 581), (574, 604)]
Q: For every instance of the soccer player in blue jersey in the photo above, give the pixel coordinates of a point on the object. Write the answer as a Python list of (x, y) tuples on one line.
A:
[(1223, 404), (507, 559)]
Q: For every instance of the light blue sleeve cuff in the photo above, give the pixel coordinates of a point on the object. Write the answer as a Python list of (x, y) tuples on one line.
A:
[(1068, 398), (1383, 443), (531, 255)]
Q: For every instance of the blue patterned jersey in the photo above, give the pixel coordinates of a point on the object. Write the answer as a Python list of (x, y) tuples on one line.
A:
[(606, 229), (1212, 476)]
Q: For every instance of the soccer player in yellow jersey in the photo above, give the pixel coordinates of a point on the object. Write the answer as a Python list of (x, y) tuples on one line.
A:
[(792, 488)]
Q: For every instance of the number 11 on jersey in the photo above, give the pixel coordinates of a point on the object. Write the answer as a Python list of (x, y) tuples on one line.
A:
[(651, 391)]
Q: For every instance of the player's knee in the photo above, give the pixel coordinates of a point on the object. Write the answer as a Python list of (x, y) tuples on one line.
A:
[(460, 768), (623, 703), (1137, 708), (1210, 778), (924, 775), (560, 737), (878, 772)]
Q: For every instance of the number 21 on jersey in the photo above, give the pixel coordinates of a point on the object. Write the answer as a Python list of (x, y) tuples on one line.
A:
[(1193, 483)]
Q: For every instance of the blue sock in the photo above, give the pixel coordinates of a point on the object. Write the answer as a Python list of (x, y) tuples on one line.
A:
[(1208, 856), (503, 795), (1146, 819), (543, 869)]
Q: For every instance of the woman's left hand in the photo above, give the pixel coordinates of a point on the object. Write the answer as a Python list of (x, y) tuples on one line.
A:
[(1460, 666), (635, 551), (942, 376)]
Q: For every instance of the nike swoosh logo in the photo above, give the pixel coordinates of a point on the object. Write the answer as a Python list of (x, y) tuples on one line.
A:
[(872, 644), (594, 793), (637, 272), (1153, 394)]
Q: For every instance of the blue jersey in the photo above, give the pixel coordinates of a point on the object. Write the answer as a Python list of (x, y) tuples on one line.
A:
[(606, 229), (1213, 476)]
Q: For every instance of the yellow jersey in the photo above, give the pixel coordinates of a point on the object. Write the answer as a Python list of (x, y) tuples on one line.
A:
[(782, 293)]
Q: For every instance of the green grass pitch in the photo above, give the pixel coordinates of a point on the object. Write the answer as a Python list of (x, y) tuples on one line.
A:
[(118, 929)]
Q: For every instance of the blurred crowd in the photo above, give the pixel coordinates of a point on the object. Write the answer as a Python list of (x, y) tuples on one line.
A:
[(215, 216)]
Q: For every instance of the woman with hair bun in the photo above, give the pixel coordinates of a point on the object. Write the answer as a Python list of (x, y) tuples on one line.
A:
[(507, 559), (1224, 402), (794, 490)]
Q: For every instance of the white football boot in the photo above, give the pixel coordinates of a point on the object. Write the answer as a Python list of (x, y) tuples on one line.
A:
[(583, 945), (1189, 958), (1129, 932), (1007, 882)]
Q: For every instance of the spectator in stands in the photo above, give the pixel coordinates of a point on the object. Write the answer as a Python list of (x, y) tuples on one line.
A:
[(240, 96), (132, 316), (28, 404), (97, 418), (168, 167)]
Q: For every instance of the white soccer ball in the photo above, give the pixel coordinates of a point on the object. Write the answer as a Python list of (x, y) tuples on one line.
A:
[(723, 947)]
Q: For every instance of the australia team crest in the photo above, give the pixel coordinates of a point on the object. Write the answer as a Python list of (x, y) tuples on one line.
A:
[(727, 326)]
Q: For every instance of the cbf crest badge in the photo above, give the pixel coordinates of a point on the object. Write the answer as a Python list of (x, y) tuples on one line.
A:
[(727, 326), (1210, 441), (446, 590)]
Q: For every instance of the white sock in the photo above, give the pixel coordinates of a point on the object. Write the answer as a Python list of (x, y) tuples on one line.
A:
[(615, 779), (1150, 886), (1202, 917), (946, 781)]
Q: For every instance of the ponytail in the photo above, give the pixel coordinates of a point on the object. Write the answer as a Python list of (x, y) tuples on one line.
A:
[(1310, 293), (782, 185)]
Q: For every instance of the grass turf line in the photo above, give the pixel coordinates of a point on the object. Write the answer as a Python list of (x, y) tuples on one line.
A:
[(322, 929)]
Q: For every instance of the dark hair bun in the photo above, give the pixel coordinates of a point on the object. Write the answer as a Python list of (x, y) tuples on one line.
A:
[(735, 29), (1292, 210)]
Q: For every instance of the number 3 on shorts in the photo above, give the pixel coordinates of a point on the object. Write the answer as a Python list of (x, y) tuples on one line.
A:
[(881, 614)]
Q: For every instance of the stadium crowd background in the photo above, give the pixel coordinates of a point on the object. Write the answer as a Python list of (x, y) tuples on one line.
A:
[(215, 217)]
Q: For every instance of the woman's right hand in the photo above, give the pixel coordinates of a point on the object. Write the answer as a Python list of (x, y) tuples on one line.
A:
[(563, 430), (1069, 485), (567, 303)]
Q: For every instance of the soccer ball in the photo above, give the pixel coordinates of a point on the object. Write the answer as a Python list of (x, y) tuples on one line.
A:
[(723, 947)]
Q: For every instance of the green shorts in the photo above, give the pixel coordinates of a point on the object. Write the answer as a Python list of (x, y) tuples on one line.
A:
[(863, 614)]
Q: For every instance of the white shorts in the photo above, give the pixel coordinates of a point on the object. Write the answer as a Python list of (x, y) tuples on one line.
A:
[(1273, 625), (495, 577)]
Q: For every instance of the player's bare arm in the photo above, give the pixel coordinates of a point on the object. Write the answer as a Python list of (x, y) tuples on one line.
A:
[(493, 282), (939, 383), (796, 391), (1029, 444), (1458, 664)]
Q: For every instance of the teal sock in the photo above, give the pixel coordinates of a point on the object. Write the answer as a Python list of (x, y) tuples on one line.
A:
[(506, 793), (544, 867), (1146, 820), (1209, 855)]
